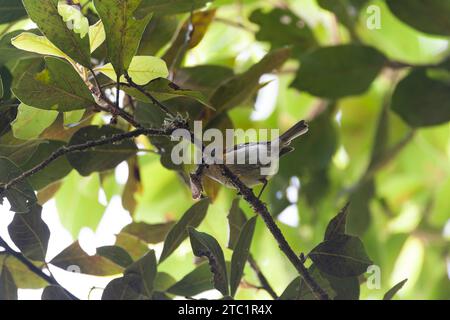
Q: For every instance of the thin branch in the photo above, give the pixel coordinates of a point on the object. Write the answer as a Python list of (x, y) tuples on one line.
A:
[(148, 95), (84, 146), (37, 271), (262, 279), (97, 83), (397, 65), (234, 24), (118, 94), (111, 107)]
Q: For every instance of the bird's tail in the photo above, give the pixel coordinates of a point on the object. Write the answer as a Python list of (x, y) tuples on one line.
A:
[(294, 132)]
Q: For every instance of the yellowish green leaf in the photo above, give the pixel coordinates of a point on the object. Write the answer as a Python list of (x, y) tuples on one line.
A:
[(71, 14), (39, 44), (143, 69), (31, 122), (73, 117), (97, 35)]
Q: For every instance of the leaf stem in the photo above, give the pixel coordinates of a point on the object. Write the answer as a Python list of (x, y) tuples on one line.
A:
[(111, 107), (262, 279), (148, 95)]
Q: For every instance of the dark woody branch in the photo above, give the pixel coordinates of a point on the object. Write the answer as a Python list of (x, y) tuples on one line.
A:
[(155, 101), (37, 271), (84, 146)]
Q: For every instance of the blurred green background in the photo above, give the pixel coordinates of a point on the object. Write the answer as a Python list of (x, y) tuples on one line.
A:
[(399, 200)]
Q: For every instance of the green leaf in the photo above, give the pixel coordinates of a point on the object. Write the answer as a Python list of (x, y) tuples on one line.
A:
[(72, 118), (149, 233), (345, 10), (240, 254), (145, 269), (299, 290), (45, 14), (8, 53), (26, 62), (196, 25), (344, 256), (97, 35), (74, 258), (7, 115), (57, 170), (116, 254), (158, 34), (123, 30), (163, 282), (8, 289), (133, 186), (236, 220), (393, 291), (339, 71), (240, 88), (282, 27), (11, 10), (204, 245), (125, 288), (191, 218), (137, 283), (101, 158), (142, 70), (55, 292), (21, 196), (38, 44), (135, 247), (422, 101), (163, 89), (30, 233), (23, 277), (57, 87), (72, 14), (203, 78), (19, 151), (431, 16), (195, 282), (337, 225), (77, 196), (31, 122), (169, 7), (344, 288)]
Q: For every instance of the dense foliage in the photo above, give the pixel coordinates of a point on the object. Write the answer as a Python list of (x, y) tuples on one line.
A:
[(362, 201)]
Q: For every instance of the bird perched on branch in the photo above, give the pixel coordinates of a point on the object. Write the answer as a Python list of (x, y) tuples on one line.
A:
[(256, 172)]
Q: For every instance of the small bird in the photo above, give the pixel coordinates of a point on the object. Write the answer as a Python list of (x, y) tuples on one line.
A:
[(251, 174)]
